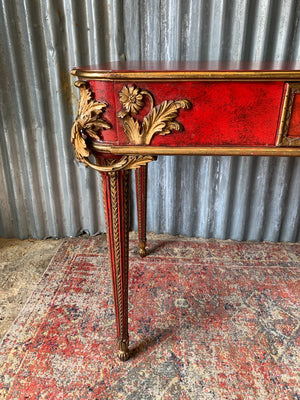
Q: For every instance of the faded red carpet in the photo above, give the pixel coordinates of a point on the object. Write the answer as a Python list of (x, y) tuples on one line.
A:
[(208, 320)]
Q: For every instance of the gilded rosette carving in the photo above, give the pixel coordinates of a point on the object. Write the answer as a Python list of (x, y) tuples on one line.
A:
[(159, 121), (88, 123)]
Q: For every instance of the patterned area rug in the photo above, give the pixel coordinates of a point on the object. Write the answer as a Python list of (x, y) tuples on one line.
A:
[(208, 320)]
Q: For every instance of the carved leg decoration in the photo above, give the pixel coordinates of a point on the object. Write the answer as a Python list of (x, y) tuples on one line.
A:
[(116, 199), (141, 199)]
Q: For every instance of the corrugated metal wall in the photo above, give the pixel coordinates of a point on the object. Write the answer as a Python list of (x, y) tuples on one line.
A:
[(45, 192)]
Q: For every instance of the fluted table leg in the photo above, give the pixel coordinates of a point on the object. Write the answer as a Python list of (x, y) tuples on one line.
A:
[(141, 197), (116, 200)]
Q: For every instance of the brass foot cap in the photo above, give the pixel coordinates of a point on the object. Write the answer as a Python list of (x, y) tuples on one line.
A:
[(142, 251), (123, 355), (123, 352)]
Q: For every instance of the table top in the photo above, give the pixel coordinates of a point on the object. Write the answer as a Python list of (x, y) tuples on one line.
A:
[(190, 70)]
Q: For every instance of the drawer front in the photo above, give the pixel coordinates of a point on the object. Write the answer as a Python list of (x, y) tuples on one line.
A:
[(289, 129), (240, 113)]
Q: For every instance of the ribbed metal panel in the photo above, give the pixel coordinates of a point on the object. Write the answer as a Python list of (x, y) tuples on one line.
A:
[(45, 192)]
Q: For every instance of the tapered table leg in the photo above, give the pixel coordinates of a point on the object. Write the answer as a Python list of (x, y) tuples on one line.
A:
[(141, 199), (116, 200)]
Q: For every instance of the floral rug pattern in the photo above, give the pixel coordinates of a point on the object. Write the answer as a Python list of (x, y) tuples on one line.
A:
[(208, 320)]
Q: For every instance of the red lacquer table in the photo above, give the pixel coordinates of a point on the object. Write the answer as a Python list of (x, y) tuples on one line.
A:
[(129, 113)]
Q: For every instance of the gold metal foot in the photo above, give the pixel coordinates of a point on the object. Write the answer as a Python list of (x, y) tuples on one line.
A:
[(142, 251), (123, 351)]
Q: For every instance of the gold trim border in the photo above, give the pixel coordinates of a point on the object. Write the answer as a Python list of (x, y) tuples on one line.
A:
[(283, 138), (203, 151), (257, 75)]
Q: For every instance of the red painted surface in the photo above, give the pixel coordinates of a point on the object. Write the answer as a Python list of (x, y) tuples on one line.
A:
[(223, 113), (104, 92), (294, 129)]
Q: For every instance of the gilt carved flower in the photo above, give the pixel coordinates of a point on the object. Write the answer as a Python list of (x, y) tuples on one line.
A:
[(131, 99), (160, 120)]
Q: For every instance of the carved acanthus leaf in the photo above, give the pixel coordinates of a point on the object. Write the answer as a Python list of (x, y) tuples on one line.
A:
[(132, 129), (160, 120), (88, 123)]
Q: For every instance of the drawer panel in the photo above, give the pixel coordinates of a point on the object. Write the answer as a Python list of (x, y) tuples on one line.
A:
[(239, 113)]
